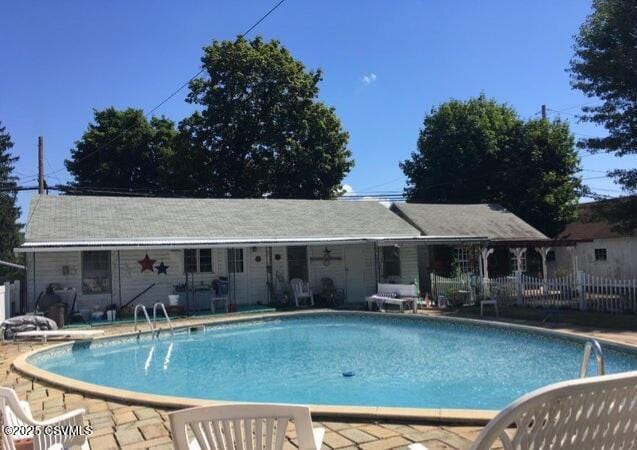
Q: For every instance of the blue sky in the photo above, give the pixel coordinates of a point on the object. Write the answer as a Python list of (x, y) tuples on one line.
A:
[(385, 64)]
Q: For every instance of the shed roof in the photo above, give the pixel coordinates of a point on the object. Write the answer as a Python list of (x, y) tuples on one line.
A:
[(490, 220), (65, 221), (588, 225)]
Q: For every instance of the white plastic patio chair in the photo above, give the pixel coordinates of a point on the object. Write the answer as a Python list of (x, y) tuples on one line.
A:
[(302, 291), (243, 426), (589, 413), (18, 413)]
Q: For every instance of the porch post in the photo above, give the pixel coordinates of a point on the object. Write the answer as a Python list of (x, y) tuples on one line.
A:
[(484, 268), (519, 253), (543, 251), (571, 251)]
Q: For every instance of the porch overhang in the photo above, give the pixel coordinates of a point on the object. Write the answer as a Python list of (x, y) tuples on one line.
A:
[(174, 244), (535, 242)]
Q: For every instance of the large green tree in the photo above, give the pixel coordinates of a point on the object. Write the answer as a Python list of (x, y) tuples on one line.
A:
[(604, 67), (9, 211), (122, 151), (259, 129), (480, 151)]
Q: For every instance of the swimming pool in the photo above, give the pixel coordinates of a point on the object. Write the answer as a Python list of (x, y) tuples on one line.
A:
[(396, 361)]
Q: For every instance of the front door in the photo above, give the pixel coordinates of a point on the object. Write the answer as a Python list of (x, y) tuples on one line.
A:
[(297, 263), (354, 273)]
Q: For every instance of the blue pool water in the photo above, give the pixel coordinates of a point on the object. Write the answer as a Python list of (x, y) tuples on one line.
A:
[(395, 361)]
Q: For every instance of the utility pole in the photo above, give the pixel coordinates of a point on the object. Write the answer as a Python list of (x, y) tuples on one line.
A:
[(40, 165), (544, 112)]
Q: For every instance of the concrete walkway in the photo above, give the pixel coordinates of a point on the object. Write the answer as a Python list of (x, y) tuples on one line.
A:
[(130, 426)]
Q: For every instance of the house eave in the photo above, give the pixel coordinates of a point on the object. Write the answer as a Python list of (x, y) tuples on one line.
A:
[(172, 244)]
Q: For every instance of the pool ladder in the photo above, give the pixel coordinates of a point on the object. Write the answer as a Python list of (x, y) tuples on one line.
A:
[(153, 325), (592, 345), (163, 310)]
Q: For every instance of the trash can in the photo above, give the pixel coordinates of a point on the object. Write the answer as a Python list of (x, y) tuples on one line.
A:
[(57, 313)]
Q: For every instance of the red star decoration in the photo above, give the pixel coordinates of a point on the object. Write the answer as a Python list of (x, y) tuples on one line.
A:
[(147, 263)]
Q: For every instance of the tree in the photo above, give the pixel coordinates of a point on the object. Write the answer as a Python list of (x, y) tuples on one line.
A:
[(9, 212), (123, 152), (604, 66), (260, 130), (480, 151)]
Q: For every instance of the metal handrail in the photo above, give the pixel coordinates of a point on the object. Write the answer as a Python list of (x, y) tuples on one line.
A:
[(143, 308), (599, 358), (163, 308)]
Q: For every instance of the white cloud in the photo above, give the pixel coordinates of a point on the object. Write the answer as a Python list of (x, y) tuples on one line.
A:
[(348, 190), (369, 79)]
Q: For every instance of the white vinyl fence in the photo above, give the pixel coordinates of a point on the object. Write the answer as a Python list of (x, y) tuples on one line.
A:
[(9, 299), (581, 291)]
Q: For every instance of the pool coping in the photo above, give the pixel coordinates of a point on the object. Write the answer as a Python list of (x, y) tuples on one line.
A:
[(435, 415)]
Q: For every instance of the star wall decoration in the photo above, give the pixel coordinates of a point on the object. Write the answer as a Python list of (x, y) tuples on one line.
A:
[(147, 263), (162, 268)]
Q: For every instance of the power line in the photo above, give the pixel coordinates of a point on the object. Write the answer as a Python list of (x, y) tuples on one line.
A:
[(176, 91)]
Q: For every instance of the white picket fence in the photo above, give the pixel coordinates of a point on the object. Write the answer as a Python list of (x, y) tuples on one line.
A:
[(581, 291), (462, 289), (9, 299)]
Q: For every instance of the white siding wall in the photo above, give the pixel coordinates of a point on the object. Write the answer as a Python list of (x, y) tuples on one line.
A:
[(258, 275), (334, 270), (249, 287), (48, 269), (621, 260), (409, 264), (370, 274)]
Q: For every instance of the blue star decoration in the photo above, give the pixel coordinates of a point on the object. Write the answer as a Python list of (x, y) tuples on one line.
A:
[(162, 268)]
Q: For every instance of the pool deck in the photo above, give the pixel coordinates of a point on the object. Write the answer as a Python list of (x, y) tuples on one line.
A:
[(129, 426)]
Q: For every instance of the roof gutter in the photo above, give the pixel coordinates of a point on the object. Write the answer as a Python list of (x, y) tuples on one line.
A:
[(54, 246), (12, 265)]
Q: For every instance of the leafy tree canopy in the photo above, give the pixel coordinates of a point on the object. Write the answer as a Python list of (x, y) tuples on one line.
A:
[(604, 66), (260, 129), (10, 237), (480, 151), (122, 151)]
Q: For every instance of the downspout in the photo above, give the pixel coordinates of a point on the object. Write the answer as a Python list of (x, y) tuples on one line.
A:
[(34, 291), (119, 279)]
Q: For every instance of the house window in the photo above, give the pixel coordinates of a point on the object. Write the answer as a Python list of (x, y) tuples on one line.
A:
[(96, 272), (391, 262), (514, 263), (550, 255), (205, 260), (463, 260), (600, 254), (198, 260), (235, 260)]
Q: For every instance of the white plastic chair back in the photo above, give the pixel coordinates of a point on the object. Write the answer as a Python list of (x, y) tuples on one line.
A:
[(240, 427), (588, 413), (15, 412), (300, 288)]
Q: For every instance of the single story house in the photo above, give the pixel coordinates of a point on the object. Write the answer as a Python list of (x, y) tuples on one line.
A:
[(600, 250), (118, 250)]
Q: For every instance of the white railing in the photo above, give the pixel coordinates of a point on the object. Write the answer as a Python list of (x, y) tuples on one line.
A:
[(580, 291), (463, 288), (9, 299)]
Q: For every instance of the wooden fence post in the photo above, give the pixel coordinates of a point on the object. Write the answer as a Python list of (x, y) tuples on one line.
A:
[(581, 286)]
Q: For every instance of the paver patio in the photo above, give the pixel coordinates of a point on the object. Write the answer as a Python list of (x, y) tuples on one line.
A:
[(132, 427)]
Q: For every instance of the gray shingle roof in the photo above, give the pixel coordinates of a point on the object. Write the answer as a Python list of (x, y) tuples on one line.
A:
[(69, 219), (487, 220)]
